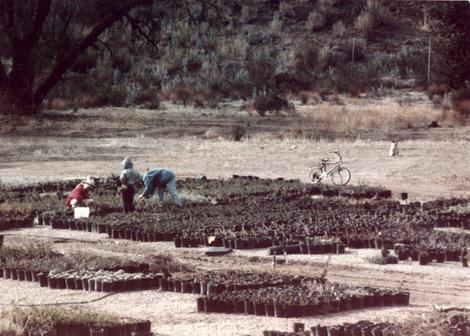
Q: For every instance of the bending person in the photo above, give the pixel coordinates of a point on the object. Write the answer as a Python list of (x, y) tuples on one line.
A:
[(79, 196), (162, 180)]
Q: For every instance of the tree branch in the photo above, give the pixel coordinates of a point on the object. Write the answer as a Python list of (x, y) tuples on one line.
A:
[(136, 24), (66, 62), (10, 21), (3, 75), (42, 11)]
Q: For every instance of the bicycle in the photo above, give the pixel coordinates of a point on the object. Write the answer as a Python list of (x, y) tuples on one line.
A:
[(339, 175)]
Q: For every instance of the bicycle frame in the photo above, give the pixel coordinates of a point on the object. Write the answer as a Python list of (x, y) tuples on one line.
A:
[(337, 165)]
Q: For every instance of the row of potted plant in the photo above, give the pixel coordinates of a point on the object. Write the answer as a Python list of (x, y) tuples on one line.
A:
[(296, 301), (8, 223), (363, 327), (69, 322), (314, 245)]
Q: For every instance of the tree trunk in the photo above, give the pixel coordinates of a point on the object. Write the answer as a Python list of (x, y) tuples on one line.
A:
[(11, 103)]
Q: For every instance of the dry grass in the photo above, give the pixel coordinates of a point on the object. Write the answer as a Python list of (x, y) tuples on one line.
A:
[(347, 118), (373, 15), (436, 324)]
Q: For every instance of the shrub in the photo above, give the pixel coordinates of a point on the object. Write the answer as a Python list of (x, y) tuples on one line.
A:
[(360, 49), (117, 96), (303, 96), (276, 23), (460, 100), (286, 9), (326, 6), (261, 74), (122, 61), (374, 14), (339, 29), (248, 14), (315, 21), (147, 99), (365, 23), (271, 103), (59, 104), (179, 95), (237, 132)]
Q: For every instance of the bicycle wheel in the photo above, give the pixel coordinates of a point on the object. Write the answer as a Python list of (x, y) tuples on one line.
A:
[(315, 175), (341, 176)]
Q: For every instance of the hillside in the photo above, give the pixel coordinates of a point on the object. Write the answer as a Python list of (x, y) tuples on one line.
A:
[(202, 51)]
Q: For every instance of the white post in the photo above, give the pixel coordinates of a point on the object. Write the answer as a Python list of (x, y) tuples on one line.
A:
[(429, 60), (352, 56)]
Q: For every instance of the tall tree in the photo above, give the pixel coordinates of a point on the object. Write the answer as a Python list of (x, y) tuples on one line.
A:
[(41, 39), (455, 32)]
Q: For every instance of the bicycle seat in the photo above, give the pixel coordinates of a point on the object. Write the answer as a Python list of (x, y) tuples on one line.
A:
[(324, 160)]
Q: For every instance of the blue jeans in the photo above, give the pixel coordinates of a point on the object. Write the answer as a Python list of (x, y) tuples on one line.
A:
[(171, 188)]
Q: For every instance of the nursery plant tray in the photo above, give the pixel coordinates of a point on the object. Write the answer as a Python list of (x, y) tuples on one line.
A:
[(218, 251)]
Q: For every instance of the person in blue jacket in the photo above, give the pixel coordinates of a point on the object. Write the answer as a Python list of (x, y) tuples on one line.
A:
[(162, 180)]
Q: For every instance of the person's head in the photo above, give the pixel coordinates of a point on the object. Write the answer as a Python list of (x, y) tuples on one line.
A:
[(127, 163), (89, 183)]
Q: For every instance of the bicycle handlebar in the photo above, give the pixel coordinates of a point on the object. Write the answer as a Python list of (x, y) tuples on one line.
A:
[(338, 155)]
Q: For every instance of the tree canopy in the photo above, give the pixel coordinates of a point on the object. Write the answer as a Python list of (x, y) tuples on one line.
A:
[(41, 39)]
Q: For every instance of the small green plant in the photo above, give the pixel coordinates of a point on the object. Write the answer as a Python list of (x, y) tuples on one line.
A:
[(377, 259)]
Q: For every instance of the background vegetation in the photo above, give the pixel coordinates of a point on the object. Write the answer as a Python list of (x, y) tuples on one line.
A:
[(198, 52)]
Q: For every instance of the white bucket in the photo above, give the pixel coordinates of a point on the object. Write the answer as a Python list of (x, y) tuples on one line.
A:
[(81, 212)]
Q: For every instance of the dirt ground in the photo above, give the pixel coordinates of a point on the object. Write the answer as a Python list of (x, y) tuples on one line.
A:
[(431, 165), (432, 287), (425, 168)]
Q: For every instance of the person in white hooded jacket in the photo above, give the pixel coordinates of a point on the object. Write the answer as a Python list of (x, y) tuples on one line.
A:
[(129, 179)]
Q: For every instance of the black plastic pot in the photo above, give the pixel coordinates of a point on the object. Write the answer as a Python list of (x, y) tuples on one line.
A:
[(298, 327), (7, 272), (107, 286), (61, 283), (259, 309), (21, 275), (43, 280), (163, 284), (278, 310), (269, 309), (249, 307), (70, 283), (423, 259), (14, 274), (78, 284), (319, 330), (91, 285), (239, 307), (28, 275), (52, 282), (200, 304)]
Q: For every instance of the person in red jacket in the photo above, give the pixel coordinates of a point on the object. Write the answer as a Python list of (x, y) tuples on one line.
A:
[(80, 194)]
